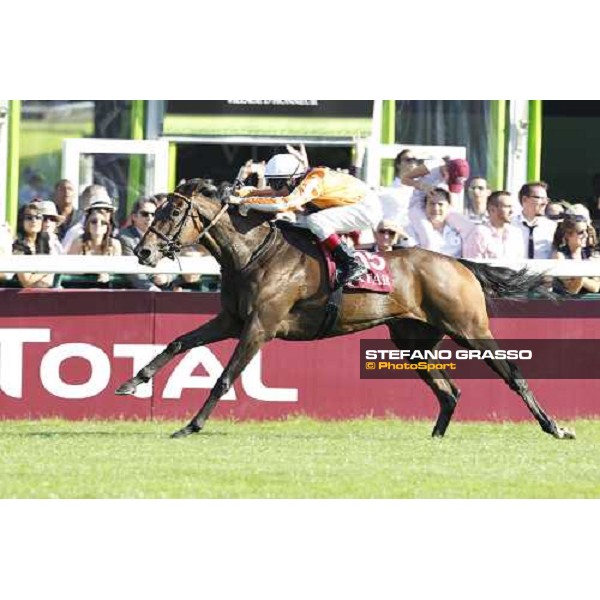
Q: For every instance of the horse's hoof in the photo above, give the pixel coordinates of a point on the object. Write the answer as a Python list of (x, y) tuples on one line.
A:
[(187, 430), (126, 389), (564, 434)]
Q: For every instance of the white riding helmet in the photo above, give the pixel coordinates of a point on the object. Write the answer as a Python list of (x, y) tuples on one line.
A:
[(284, 166)]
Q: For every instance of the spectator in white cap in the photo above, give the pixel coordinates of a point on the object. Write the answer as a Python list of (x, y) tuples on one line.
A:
[(50, 223), (92, 194), (581, 211), (386, 236), (97, 237)]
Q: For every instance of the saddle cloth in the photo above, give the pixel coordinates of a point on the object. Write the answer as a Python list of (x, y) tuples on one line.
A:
[(377, 279)]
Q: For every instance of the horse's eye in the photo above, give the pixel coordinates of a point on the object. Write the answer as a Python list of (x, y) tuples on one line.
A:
[(176, 213)]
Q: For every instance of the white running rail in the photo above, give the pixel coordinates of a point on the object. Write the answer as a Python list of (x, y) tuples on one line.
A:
[(206, 265)]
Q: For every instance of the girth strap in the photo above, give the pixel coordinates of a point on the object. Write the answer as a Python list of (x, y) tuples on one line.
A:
[(332, 312)]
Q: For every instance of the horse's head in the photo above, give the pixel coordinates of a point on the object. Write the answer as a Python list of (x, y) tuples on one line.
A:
[(181, 221)]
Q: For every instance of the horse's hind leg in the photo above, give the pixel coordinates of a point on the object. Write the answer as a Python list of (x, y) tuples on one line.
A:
[(219, 328), (515, 380), (416, 335)]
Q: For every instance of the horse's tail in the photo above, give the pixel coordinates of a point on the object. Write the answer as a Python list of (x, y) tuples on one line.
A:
[(502, 281)]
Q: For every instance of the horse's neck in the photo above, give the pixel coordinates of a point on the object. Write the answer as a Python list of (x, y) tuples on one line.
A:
[(233, 246)]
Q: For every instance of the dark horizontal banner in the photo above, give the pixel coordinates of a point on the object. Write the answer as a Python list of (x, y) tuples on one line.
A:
[(312, 108), (535, 359)]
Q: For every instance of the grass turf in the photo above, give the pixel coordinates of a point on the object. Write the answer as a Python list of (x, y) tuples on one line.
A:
[(297, 458)]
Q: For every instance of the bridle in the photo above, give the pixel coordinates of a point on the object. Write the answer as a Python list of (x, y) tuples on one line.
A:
[(172, 246)]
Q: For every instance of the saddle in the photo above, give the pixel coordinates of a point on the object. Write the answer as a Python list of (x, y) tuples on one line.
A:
[(377, 279)]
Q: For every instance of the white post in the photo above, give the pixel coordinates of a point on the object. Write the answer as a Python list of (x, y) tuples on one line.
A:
[(516, 172), (3, 156), (373, 173)]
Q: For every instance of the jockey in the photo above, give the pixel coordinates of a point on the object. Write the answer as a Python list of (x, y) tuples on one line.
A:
[(347, 205)]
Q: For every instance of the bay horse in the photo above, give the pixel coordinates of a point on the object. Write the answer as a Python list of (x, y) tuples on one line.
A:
[(275, 285)]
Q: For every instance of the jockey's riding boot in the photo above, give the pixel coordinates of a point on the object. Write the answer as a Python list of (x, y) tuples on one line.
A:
[(348, 268)]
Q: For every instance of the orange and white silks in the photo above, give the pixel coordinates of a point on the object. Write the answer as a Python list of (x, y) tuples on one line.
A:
[(321, 186)]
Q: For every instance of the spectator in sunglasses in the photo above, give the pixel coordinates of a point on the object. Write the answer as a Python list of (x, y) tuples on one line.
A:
[(97, 239), (478, 191), (404, 162), (579, 211), (31, 239), (72, 228), (51, 220), (537, 230), (574, 240), (555, 210), (395, 199), (141, 218)]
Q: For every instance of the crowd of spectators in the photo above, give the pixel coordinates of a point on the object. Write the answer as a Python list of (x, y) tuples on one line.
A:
[(493, 224), (423, 208), (59, 224)]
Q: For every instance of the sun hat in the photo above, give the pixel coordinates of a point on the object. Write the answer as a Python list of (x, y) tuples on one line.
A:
[(48, 209)]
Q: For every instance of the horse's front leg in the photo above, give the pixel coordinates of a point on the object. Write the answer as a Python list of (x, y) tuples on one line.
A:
[(222, 327), (252, 339)]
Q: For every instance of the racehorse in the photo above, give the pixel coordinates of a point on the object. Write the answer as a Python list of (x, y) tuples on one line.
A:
[(274, 285)]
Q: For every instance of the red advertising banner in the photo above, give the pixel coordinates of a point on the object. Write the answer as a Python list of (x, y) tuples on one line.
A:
[(63, 353)]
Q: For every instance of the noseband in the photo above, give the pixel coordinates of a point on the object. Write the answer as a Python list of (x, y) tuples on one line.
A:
[(173, 245)]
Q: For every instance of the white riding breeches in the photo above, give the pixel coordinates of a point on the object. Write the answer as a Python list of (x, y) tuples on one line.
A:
[(365, 214)]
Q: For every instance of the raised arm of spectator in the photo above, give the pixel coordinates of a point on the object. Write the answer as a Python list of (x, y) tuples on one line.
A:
[(412, 177)]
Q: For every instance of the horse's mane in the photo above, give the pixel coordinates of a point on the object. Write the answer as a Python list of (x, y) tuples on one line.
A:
[(198, 186)]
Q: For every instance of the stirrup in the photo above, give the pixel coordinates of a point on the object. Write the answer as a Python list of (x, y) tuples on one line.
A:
[(351, 276)]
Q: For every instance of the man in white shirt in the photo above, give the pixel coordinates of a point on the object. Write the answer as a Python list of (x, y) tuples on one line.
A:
[(478, 191), (497, 238), (395, 199), (443, 237), (537, 230), (424, 178)]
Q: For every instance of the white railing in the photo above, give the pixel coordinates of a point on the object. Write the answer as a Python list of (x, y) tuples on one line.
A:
[(71, 264), (206, 265)]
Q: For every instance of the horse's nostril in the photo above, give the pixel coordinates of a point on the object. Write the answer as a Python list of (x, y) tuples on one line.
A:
[(143, 253)]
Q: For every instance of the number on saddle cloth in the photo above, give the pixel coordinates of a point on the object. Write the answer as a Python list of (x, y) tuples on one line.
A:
[(378, 277)]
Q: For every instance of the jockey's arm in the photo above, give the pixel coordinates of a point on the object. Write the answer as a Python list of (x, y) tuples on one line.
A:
[(308, 190), (256, 192)]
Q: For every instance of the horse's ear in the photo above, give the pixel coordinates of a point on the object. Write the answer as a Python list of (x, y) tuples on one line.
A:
[(180, 185), (225, 190), (210, 191)]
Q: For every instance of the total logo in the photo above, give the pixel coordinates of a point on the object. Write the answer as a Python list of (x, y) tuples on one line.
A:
[(12, 343)]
